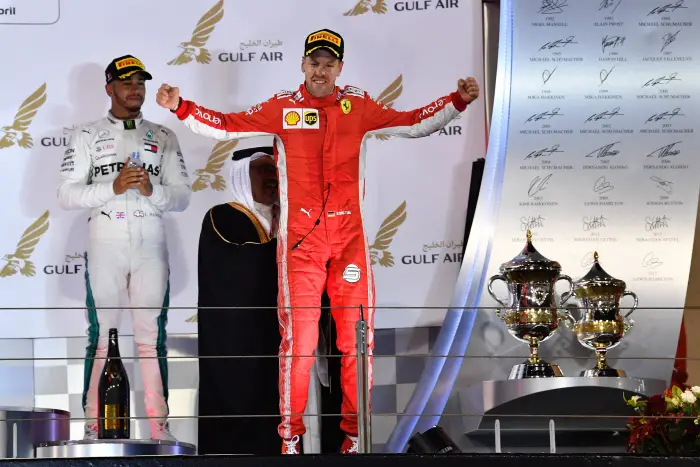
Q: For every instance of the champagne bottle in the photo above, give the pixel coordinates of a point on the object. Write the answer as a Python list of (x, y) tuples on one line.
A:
[(113, 394)]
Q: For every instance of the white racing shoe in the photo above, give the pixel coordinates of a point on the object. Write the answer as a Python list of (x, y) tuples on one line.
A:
[(90, 433), (161, 432)]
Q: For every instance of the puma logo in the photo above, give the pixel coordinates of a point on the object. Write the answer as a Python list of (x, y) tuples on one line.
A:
[(106, 214), (308, 213)]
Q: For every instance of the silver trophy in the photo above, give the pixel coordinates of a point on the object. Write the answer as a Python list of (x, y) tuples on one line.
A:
[(532, 314), (601, 326)]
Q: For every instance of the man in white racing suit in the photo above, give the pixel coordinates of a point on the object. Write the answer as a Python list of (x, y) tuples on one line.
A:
[(127, 256)]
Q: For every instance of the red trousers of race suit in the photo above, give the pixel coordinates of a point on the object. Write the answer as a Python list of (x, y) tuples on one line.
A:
[(333, 257)]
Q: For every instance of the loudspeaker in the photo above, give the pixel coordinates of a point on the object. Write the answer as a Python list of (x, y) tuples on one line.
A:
[(432, 441)]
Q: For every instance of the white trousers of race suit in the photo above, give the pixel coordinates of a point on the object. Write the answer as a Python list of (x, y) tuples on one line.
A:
[(124, 273)]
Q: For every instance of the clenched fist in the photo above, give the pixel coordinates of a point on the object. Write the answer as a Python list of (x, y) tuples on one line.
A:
[(167, 96), (468, 89)]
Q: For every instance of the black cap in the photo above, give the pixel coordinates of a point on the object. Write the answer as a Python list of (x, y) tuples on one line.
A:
[(125, 66), (325, 39), (243, 153)]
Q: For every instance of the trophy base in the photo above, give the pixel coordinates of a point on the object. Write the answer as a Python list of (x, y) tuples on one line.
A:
[(603, 373), (535, 370)]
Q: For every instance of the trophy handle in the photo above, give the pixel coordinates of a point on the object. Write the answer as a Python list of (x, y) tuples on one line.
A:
[(498, 277), (565, 314), (569, 293), (629, 323), (636, 302)]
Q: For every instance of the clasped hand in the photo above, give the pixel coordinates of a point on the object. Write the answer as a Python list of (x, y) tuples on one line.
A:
[(132, 177)]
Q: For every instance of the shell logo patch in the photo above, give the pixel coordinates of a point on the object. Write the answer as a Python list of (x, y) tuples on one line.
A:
[(291, 118)]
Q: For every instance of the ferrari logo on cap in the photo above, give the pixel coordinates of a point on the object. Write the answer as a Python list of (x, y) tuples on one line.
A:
[(346, 105)]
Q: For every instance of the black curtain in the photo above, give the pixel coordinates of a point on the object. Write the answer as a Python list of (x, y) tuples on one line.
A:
[(331, 397), (474, 188)]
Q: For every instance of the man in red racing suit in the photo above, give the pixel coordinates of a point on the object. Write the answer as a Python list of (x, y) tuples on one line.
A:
[(320, 132)]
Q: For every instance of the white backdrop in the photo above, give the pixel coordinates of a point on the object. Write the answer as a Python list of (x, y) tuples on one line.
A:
[(58, 66), (601, 156), (587, 92)]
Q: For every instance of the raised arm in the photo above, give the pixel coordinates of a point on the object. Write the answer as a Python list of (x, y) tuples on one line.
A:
[(76, 190), (260, 120), (174, 191), (423, 121)]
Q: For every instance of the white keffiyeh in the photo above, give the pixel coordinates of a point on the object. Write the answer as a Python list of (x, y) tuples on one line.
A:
[(243, 190)]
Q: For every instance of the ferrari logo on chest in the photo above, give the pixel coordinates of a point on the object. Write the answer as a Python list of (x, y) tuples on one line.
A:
[(346, 105)]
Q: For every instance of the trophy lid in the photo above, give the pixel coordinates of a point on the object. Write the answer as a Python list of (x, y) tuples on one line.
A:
[(530, 259), (597, 277)]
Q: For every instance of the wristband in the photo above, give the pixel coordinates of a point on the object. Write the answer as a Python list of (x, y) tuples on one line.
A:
[(179, 103)]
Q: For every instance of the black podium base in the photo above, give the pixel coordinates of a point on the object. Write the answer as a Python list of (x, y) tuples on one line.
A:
[(369, 460)]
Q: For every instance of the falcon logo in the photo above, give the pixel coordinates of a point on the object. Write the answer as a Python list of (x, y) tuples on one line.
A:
[(19, 260), (363, 6), (210, 176), (17, 132), (292, 118), (385, 236), (387, 98), (194, 48), (311, 118)]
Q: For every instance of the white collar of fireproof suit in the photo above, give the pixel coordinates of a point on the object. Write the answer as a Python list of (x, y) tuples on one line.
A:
[(127, 124), (243, 190)]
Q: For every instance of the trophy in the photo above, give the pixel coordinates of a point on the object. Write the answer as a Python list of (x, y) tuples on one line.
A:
[(601, 326), (532, 315)]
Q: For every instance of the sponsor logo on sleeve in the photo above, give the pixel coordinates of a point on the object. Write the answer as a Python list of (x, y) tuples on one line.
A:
[(208, 117)]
